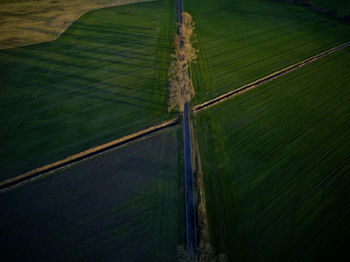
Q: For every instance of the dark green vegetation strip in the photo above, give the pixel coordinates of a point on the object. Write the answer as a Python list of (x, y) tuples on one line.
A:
[(241, 41), (276, 165), (103, 79), (125, 205), (339, 7)]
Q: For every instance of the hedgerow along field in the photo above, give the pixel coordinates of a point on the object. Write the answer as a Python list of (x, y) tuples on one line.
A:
[(243, 40), (276, 164), (104, 78), (125, 205)]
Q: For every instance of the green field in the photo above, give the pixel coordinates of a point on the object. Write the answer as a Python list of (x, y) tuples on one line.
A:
[(104, 78), (243, 40), (276, 165), (125, 205)]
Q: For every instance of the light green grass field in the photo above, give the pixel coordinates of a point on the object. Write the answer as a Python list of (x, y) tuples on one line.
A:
[(276, 166), (104, 78), (243, 40), (125, 205)]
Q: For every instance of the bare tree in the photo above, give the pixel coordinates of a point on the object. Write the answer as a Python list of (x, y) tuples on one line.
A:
[(181, 88)]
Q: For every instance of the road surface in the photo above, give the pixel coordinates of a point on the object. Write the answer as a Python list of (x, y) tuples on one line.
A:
[(189, 187)]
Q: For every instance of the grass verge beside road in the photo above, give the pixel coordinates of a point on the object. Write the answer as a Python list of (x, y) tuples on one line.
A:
[(275, 163)]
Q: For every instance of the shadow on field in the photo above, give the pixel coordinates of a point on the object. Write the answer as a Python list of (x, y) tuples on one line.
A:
[(99, 58), (104, 78), (101, 209)]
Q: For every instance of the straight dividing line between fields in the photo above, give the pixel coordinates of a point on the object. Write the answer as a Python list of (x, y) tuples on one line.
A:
[(135, 136), (82, 12), (265, 79), (73, 159)]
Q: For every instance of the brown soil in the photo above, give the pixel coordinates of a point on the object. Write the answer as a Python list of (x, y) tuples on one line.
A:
[(32, 22)]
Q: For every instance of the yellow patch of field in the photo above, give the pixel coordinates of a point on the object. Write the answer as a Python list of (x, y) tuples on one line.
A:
[(32, 22)]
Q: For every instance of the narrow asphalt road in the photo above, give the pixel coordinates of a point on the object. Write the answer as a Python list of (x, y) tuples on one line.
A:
[(189, 185), (189, 188)]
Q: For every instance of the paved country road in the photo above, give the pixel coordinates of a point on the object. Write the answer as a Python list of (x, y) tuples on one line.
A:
[(189, 188)]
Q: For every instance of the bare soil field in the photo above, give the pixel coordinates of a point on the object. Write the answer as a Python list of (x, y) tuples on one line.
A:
[(31, 22)]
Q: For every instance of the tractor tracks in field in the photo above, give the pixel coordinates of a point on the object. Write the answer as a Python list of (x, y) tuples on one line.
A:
[(266, 79), (92, 152), (73, 159)]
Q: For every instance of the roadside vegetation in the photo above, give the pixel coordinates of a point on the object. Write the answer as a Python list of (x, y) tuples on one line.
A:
[(104, 78), (243, 40), (273, 162), (24, 22), (125, 205), (275, 165), (180, 83)]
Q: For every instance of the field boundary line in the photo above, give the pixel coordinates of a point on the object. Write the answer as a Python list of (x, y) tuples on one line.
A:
[(83, 12), (265, 79), (86, 154), (77, 16)]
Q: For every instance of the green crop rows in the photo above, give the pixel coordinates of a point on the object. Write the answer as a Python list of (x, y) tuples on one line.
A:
[(243, 40), (275, 159), (125, 205), (104, 78), (276, 165)]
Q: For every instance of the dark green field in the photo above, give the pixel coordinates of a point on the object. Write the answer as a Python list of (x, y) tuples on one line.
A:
[(104, 78), (125, 205), (341, 6), (243, 40), (276, 162), (275, 159)]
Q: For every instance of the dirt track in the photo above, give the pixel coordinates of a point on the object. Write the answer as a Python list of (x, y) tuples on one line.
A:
[(85, 154), (133, 137), (265, 79), (130, 138)]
